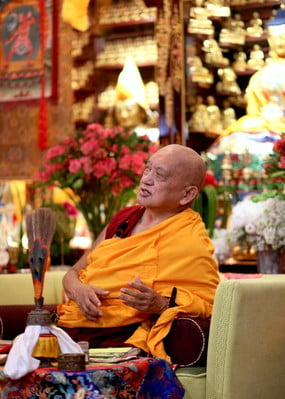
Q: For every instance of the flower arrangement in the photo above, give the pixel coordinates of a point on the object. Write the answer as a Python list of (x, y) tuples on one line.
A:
[(275, 163), (98, 168), (259, 222)]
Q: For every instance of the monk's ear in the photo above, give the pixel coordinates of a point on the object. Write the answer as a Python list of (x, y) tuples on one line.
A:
[(189, 195)]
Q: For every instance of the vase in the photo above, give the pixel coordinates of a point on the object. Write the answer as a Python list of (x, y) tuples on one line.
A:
[(268, 261)]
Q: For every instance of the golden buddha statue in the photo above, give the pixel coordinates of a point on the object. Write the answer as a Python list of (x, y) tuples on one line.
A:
[(265, 91), (255, 27), (228, 116), (233, 31), (240, 62), (199, 23), (199, 73), (264, 121), (228, 82), (131, 109), (217, 8), (213, 53), (214, 117), (199, 118), (256, 58)]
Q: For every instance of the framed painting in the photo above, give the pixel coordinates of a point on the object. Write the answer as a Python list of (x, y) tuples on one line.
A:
[(28, 50)]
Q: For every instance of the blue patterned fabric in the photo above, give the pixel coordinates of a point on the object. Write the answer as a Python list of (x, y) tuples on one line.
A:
[(142, 378)]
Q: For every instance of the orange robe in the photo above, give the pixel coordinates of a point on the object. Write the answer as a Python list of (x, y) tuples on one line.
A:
[(176, 252)]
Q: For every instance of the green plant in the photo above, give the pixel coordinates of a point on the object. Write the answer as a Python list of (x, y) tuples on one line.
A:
[(207, 205)]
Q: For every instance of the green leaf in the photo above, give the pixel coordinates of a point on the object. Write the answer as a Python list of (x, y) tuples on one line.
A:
[(211, 208), (78, 184)]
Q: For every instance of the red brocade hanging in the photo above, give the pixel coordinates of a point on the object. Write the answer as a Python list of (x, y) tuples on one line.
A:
[(28, 56), (42, 135)]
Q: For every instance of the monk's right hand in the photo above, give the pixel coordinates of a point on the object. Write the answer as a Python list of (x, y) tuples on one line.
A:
[(88, 299)]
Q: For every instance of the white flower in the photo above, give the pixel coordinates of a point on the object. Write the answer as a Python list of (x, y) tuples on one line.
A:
[(261, 224), (250, 228)]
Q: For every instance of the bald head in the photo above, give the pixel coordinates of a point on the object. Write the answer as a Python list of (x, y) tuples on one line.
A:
[(188, 163)]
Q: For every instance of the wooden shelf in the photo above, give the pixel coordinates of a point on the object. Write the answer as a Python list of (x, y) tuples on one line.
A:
[(127, 24), (113, 67), (102, 41)]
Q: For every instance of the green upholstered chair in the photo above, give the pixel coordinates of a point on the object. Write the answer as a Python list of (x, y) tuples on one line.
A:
[(246, 349)]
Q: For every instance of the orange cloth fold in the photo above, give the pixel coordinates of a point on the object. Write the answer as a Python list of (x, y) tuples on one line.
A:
[(176, 252)]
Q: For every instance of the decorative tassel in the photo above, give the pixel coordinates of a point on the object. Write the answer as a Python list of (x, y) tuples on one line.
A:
[(42, 133)]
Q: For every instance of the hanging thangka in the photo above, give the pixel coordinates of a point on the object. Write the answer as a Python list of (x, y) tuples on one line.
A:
[(28, 49)]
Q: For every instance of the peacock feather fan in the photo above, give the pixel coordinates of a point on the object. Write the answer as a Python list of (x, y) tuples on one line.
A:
[(40, 227)]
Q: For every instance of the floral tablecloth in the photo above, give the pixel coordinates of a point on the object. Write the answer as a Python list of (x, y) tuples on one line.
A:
[(142, 378)]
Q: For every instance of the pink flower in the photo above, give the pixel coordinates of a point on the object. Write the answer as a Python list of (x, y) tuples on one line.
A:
[(110, 133), (104, 167), (54, 152), (87, 165), (70, 209), (90, 146), (126, 181), (114, 148), (125, 162), (281, 164), (125, 150), (138, 163), (152, 148), (279, 146), (42, 175), (54, 167), (69, 142), (74, 165), (116, 189)]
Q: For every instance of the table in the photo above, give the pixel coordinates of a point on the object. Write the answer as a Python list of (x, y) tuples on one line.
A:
[(238, 266), (142, 378)]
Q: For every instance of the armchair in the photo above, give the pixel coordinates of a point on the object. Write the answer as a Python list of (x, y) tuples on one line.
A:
[(246, 348)]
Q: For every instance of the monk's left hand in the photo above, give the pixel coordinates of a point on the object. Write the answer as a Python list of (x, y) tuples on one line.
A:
[(143, 298)]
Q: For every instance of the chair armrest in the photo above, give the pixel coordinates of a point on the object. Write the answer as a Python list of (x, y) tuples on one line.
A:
[(247, 340)]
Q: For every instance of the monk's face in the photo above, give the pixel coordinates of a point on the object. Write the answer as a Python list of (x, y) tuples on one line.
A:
[(163, 183)]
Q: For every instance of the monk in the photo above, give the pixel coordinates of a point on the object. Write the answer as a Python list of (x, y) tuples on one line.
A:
[(120, 291)]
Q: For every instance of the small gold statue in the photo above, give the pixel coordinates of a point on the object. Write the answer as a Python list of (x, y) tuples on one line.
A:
[(214, 117), (199, 23), (256, 58), (213, 53), (255, 28), (217, 8), (228, 116), (233, 31), (199, 119), (228, 83), (240, 62), (199, 73)]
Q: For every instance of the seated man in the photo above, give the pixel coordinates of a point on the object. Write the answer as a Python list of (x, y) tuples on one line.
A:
[(119, 290)]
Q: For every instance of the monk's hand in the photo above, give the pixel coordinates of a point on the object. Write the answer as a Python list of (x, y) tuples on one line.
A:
[(87, 298), (143, 298)]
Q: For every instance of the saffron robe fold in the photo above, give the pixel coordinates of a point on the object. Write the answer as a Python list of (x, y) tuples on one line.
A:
[(176, 252)]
